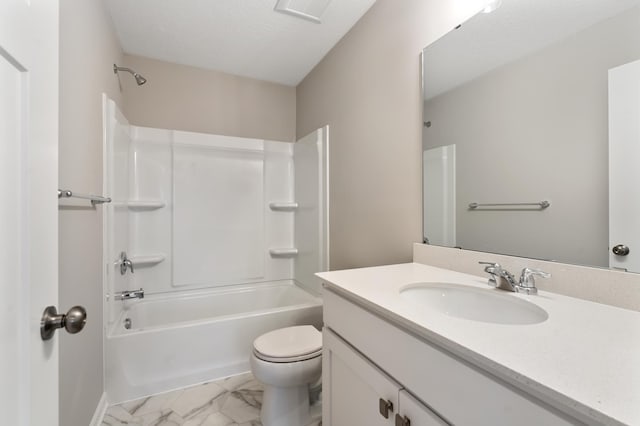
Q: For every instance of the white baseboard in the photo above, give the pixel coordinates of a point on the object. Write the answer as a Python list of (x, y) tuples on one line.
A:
[(101, 409)]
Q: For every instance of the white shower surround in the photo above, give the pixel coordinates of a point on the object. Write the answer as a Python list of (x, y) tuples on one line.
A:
[(165, 187)]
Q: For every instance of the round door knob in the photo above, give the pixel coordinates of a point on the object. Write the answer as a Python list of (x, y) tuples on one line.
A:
[(73, 321), (620, 250)]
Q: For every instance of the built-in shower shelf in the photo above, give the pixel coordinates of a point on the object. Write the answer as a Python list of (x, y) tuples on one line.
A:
[(283, 252), (283, 207), (142, 205), (149, 260)]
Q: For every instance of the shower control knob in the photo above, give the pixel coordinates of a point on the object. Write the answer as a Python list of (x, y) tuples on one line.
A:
[(620, 250), (125, 263), (73, 321)]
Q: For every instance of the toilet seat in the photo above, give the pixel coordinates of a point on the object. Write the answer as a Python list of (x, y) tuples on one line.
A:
[(290, 344)]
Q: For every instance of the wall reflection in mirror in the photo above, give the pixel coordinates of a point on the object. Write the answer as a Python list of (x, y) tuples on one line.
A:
[(529, 104)]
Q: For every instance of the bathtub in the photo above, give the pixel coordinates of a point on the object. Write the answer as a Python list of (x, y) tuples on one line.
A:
[(182, 339)]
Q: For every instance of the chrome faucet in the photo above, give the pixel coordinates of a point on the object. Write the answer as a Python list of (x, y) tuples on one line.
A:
[(504, 280), (500, 278), (527, 282), (125, 263), (129, 294)]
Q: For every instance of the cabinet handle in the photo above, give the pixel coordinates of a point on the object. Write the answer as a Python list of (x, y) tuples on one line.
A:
[(402, 420), (385, 407)]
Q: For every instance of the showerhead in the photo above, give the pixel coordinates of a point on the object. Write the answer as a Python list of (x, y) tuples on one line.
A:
[(139, 79)]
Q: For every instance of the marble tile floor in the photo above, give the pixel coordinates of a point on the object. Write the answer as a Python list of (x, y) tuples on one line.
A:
[(234, 401)]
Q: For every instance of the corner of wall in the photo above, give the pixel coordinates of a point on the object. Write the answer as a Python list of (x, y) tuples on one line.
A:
[(368, 89), (227, 104), (88, 49)]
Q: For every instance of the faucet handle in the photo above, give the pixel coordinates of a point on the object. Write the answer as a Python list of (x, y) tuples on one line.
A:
[(492, 266), (492, 269), (527, 279), (125, 263), (129, 263)]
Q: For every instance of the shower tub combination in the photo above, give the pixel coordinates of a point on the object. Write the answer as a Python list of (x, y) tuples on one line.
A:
[(223, 243), (180, 341)]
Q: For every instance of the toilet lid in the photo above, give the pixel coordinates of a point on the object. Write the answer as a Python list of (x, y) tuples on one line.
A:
[(290, 342)]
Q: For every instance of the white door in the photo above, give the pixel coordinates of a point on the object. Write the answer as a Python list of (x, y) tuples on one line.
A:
[(28, 209), (624, 170)]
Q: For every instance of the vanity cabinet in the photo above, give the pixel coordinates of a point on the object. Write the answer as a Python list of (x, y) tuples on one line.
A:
[(413, 412), (360, 394), (368, 357)]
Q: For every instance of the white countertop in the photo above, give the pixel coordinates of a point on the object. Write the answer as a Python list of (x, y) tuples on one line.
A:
[(585, 355)]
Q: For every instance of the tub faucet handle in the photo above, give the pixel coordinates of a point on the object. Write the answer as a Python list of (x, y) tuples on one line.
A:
[(125, 263)]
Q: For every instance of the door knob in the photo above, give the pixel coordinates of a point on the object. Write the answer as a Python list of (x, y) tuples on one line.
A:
[(620, 250), (73, 321)]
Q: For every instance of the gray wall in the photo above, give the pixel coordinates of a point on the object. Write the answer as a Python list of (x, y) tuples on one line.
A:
[(367, 88), (197, 100), (537, 129), (88, 48)]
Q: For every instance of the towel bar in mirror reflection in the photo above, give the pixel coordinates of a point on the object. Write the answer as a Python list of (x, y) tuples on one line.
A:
[(539, 205), (535, 98)]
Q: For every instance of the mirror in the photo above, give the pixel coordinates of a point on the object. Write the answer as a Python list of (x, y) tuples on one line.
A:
[(518, 116)]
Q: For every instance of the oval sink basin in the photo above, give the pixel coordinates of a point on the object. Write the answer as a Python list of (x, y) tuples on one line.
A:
[(474, 304)]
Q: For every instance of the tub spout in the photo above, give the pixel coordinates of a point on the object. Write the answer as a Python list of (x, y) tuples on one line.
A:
[(129, 294)]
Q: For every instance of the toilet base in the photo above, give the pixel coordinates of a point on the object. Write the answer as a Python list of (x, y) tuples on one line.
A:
[(315, 414), (285, 406), (288, 363)]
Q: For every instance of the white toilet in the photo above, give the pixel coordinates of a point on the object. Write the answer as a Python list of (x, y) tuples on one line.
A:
[(287, 361)]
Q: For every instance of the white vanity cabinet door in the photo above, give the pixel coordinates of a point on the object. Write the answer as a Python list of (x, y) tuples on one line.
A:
[(412, 412), (353, 387)]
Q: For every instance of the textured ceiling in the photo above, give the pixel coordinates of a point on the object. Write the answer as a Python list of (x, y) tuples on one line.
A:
[(242, 37), (517, 28)]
